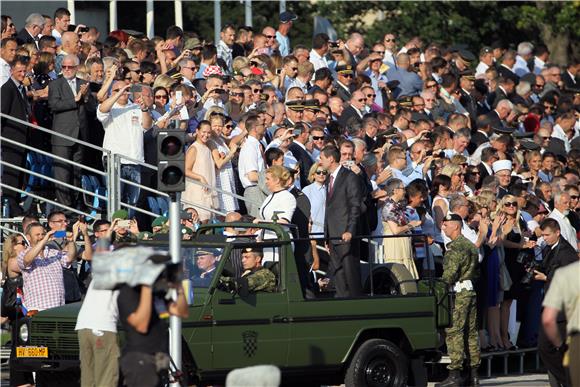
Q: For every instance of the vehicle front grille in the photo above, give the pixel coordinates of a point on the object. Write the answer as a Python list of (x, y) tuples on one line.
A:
[(60, 337)]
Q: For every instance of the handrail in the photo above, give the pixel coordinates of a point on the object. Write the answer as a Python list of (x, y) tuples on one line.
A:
[(53, 156), (54, 180), (54, 133), (45, 199)]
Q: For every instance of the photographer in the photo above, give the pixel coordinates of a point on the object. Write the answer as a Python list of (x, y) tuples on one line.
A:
[(557, 253), (144, 312)]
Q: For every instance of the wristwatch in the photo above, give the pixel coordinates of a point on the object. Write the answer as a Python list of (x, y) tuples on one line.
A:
[(145, 110)]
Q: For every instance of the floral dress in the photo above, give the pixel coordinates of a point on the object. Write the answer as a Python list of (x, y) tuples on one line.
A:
[(397, 250)]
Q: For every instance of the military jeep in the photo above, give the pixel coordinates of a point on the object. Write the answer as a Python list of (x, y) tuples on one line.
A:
[(381, 339)]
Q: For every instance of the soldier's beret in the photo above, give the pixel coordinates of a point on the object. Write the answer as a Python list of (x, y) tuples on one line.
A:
[(452, 218), (159, 221), (257, 250), (120, 214)]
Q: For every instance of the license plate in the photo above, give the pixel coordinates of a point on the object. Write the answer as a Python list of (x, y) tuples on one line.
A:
[(32, 352)]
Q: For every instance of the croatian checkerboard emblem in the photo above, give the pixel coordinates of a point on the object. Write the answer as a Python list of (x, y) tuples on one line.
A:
[(250, 340)]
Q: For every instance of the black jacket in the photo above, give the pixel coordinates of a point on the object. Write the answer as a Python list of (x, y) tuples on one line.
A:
[(304, 160), (343, 206), (561, 255)]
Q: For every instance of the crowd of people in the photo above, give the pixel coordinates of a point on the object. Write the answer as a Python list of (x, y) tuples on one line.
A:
[(342, 138)]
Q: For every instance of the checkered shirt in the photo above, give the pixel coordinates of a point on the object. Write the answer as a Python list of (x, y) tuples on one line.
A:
[(43, 279)]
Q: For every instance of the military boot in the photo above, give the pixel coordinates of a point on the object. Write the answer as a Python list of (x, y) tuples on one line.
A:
[(453, 380), (473, 377)]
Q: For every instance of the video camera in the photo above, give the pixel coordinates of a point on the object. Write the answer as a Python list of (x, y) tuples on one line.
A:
[(526, 258), (135, 266)]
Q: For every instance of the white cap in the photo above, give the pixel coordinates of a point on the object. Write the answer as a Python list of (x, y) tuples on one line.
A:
[(500, 165)]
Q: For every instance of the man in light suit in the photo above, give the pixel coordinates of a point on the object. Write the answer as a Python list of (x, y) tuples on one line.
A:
[(15, 104), (67, 97), (343, 204)]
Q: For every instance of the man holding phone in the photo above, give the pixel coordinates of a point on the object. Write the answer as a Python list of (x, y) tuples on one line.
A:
[(42, 269)]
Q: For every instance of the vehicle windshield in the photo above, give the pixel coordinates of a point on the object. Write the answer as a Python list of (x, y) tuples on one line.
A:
[(200, 263)]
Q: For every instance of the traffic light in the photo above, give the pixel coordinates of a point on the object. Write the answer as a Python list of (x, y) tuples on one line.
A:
[(171, 161)]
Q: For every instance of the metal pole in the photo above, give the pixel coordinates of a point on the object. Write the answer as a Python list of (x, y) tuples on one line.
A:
[(150, 24), (178, 13), (175, 251), (70, 5), (112, 15), (217, 20), (282, 6), (248, 8)]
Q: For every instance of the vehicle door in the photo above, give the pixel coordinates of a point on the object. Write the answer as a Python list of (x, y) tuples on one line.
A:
[(250, 329)]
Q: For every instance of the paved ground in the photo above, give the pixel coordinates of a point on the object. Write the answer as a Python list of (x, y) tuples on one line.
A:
[(527, 380)]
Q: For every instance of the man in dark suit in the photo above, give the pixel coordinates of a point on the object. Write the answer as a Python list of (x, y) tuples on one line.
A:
[(15, 104), (488, 157), (500, 113), (484, 130), (33, 27), (557, 253), (298, 150), (343, 202), (505, 88), (467, 100), (569, 76), (354, 109), (67, 97)]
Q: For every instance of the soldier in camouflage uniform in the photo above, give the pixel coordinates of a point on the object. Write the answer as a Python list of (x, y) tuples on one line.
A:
[(460, 270), (255, 278)]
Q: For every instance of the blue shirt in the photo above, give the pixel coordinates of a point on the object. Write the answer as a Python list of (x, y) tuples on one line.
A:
[(316, 193), (284, 44)]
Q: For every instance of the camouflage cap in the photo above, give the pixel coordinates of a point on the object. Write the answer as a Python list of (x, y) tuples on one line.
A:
[(120, 214), (159, 221)]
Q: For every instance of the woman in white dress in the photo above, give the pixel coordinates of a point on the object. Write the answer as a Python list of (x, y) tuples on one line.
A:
[(222, 155), (279, 205)]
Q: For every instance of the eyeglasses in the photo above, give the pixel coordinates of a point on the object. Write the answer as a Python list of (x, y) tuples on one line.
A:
[(159, 96), (321, 172), (511, 204), (237, 94), (318, 138), (371, 95), (68, 67), (362, 100), (257, 91), (190, 68)]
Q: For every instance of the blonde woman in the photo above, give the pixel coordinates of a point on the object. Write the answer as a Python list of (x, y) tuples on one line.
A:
[(13, 245), (513, 234), (457, 175)]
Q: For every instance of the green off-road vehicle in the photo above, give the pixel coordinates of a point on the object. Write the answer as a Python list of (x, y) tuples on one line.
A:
[(381, 339)]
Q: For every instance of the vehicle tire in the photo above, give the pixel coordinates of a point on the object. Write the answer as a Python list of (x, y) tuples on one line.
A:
[(392, 279), (377, 363), (70, 378)]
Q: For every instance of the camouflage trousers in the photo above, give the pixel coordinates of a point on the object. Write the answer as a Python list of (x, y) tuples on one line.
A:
[(462, 338)]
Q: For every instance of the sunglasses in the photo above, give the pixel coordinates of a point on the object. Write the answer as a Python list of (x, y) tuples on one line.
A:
[(574, 197), (371, 95), (320, 173), (318, 138), (21, 243), (237, 94), (294, 68), (347, 75), (511, 204), (161, 96), (257, 91), (389, 40), (229, 126), (68, 67), (362, 100), (431, 85), (270, 36)]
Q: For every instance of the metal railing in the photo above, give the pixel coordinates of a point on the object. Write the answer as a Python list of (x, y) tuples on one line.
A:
[(111, 175)]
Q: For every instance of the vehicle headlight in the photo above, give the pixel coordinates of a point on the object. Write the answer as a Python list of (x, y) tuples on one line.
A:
[(24, 333)]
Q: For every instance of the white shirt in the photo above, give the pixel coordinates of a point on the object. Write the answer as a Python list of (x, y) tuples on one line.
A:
[(566, 230), (4, 71), (389, 59), (99, 310), (317, 60), (481, 69), (283, 202), (538, 65), (558, 132), (224, 52), (57, 36), (123, 131), (250, 159)]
